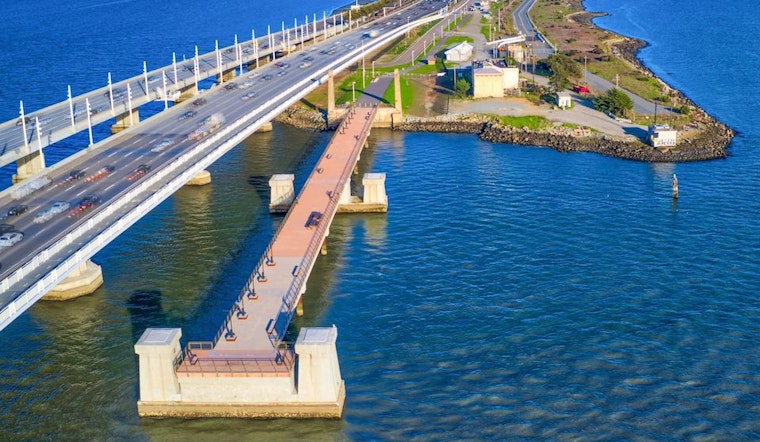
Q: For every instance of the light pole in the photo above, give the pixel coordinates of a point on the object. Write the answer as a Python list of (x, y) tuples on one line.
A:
[(412, 63), (353, 92), (89, 122), (373, 68)]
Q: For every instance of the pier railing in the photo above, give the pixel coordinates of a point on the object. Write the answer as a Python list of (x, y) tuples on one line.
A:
[(195, 359), (285, 314)]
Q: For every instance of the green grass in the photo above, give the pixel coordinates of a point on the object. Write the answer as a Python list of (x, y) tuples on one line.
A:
[(425, 69), (532, 122), (628, 79), (407, 94)]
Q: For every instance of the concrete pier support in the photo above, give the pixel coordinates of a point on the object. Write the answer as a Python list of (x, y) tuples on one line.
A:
[(123, 121), (187, 93), (266, 127), (299, 307), (200, 179), (157, 350), (84, 280), (373, 200), (319, 378), (28, 166), (282, 192), (226, 76)]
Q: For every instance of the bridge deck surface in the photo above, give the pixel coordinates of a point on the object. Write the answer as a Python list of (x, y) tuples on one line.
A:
[(297, 241)]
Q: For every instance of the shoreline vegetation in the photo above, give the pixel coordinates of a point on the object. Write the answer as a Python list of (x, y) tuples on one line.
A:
[(701, 138)]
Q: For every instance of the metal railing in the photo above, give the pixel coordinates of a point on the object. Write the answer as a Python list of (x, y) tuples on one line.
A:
[(281, 361)]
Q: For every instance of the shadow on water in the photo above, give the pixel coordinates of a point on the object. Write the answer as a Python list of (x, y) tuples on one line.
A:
[(145, 310)]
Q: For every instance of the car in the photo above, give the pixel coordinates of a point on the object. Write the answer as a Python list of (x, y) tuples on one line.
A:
[(199, 102), (10, 238), (59, 206), (247, 84), (141, 170), (249, 95), (304, 65), (5, 228), (17, 210), (281, 73), (188, 114), (77, 174), (88, 201), (26, 120), (266, 77), (230, 86), (101, 173)]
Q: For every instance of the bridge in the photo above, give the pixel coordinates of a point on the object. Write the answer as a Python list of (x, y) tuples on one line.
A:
[(112, 184)]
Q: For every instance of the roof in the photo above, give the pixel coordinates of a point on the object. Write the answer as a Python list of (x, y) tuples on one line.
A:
[(461, 47)]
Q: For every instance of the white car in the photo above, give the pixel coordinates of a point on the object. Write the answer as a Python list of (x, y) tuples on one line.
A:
[(48, 214), (10, 238), (59, 207)]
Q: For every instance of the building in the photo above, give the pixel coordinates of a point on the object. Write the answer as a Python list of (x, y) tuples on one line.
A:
[(459, 53), (564, 100), (661, 135), (491, 78)]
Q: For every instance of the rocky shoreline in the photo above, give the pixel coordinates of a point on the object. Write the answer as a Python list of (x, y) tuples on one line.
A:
[(711, 143)]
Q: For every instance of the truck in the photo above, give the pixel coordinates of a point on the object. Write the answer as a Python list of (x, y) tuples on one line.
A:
[(208, 125), (372, 34)]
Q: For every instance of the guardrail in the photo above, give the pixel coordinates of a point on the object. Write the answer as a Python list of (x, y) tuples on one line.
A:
[(133, 203), (189, 360)]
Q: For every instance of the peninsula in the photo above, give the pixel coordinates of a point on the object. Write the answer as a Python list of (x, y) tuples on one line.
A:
[(529, 115)]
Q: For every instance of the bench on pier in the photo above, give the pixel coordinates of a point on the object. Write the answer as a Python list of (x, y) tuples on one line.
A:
[(314, 219)]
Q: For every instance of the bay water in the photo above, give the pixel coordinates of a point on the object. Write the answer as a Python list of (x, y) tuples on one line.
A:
[(510, 293)]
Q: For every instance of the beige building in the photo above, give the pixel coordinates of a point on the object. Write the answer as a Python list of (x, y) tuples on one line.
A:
[(492, 78)]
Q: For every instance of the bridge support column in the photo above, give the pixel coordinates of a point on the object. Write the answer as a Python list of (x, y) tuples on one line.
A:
[(345, 196), (29, 165), (157, 349), (397, 91), (299, 307), (200, 179), (281, 193), (187, 93), (319, 378), (266, 127), (323, 249), (374, 189), (84, 280), (374, 198), (123, 121), (330, 96), (226, 76)]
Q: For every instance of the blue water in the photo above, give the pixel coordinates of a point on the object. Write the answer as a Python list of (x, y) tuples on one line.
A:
[(510, 293)]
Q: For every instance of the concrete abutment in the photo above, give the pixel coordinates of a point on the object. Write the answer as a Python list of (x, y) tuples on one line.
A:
[(312, 388), (83, 280)]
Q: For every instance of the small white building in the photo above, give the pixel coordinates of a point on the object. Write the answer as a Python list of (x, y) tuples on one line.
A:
[(661, 135), (564, 100), (459, 53)]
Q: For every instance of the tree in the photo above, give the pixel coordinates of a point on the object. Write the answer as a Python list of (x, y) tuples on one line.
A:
[(614, 101), (462, 87), (562, 68)]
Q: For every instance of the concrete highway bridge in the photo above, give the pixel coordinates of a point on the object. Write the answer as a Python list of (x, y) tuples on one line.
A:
[(107, 187)]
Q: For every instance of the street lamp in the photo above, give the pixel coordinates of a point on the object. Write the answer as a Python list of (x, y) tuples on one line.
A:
[(353, 92), (412, 63)]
